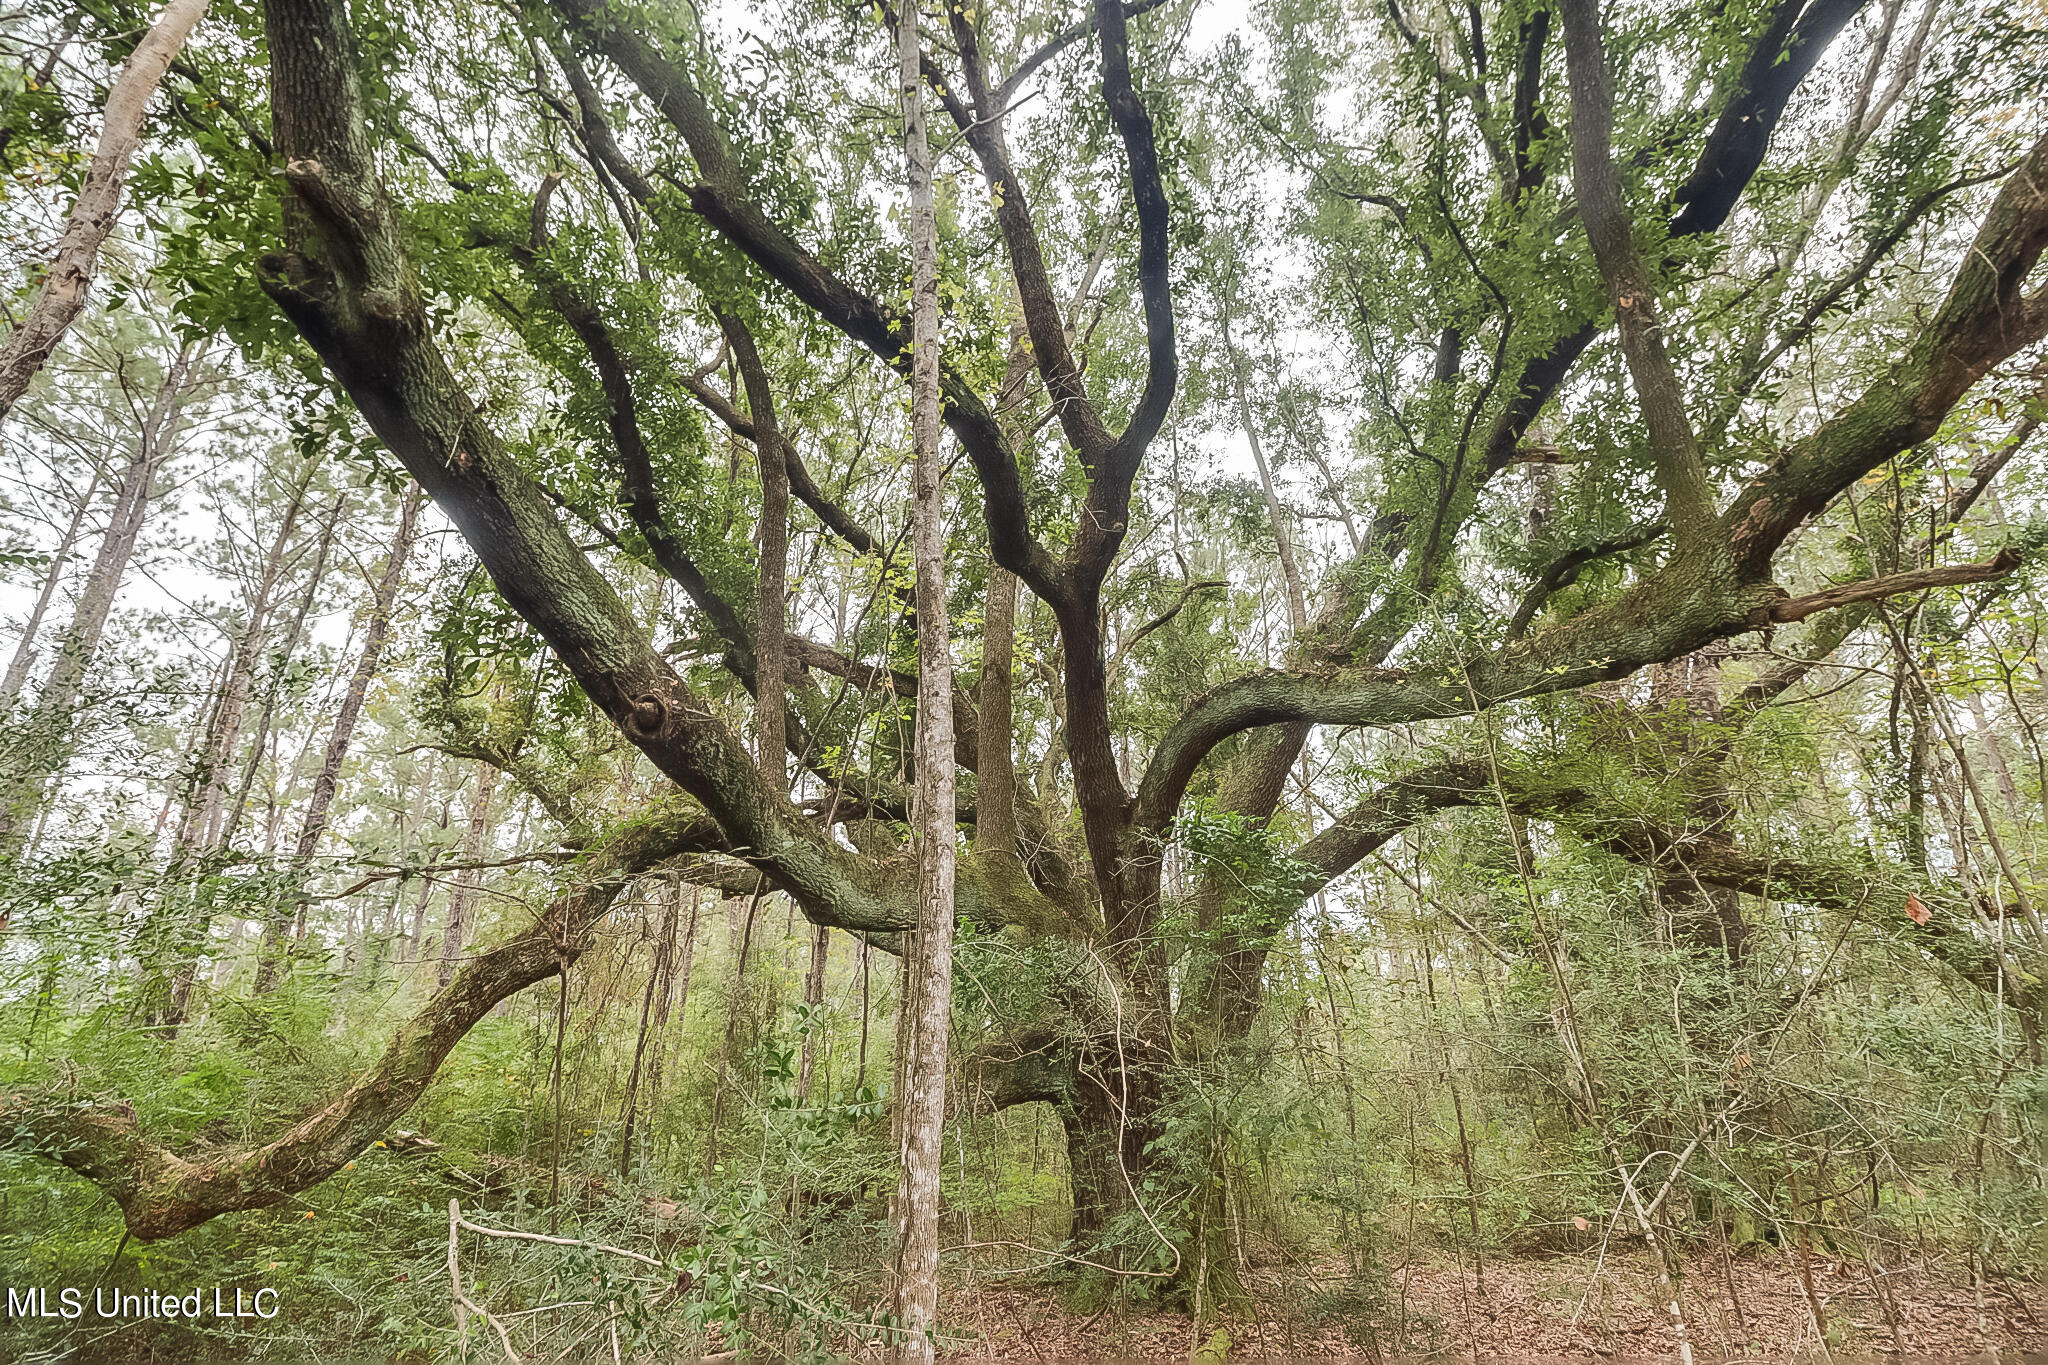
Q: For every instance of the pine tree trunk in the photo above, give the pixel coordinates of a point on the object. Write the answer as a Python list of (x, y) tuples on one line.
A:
[(241, 685), (928, 1005), (25, 650), (383, 600), (280, 661), (45, 746)]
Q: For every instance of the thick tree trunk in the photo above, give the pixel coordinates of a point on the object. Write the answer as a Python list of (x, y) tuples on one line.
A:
[(92, 216), (1111, 1119), (1109, 1113), (1685, 697), (929, 1002), (771, 634)]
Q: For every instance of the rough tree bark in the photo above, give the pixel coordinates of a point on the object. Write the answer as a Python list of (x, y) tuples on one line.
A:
[(349, 287), (99, 198), (928, 1004), (771, 633)]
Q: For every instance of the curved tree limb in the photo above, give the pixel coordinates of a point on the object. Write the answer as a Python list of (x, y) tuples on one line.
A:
[(350, 288), (1564, 571), (1986, 318), (162, 1192), (1914, 580), (722, 197)]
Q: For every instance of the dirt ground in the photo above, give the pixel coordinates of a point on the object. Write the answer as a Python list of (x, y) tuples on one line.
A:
[(1544, 1312)]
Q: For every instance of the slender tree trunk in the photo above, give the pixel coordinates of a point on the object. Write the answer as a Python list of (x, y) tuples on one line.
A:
[(99, 198), (867, 958), (416, 935), (677, 985), (995, 817), (464, 892), (1916, 782), (664, 938), (1994, 756), (733, 1008), (280, 660), (241, 683), (771, 726), (383, 601), (995, 766), (25, 651), (45, 744), (929, 1002), (1283, 537), (814, 1002)]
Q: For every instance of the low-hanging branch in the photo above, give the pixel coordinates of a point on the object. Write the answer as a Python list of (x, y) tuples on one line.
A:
[(163, 1192), (1851, 884)]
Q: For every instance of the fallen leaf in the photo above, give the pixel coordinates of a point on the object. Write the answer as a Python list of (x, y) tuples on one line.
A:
[(1916, 911), (1582, 1225)]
